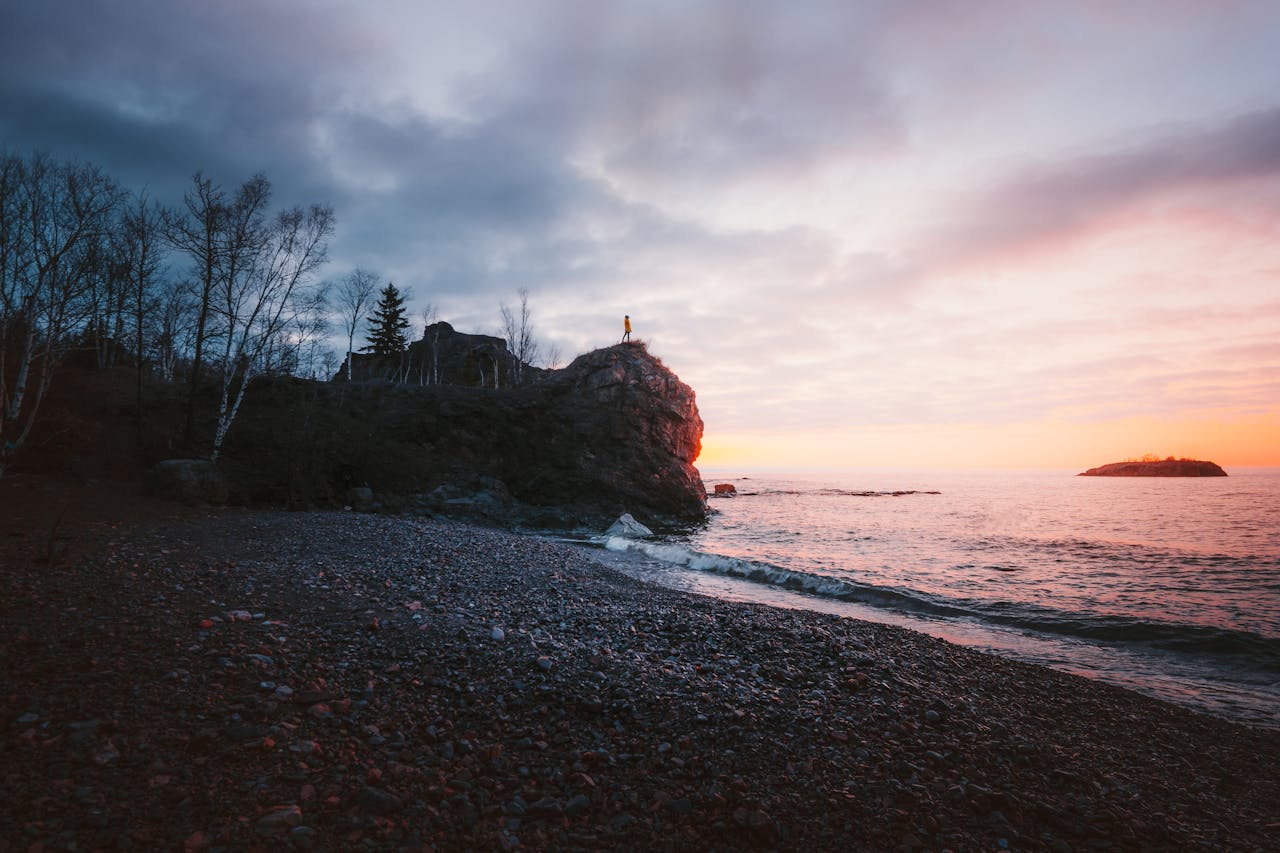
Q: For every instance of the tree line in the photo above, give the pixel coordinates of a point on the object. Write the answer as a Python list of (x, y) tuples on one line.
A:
[(220, 289)]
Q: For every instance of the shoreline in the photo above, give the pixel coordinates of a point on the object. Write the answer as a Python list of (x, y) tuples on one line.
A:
[(1096, 663), (330, 680)]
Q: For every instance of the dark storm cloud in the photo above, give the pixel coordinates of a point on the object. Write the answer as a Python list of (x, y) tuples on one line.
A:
[(153, 91), (699, 93), (481, 203)]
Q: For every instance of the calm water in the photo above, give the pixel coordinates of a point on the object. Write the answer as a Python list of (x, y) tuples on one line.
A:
[(1167, 586)]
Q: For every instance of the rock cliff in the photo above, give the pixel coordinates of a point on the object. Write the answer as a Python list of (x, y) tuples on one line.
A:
[(613, 432), (1157, 468)]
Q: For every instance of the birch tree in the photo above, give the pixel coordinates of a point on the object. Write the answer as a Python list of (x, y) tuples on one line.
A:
[(430, 341), (266, 296), (173, 327), (354, 296), (52, 218), (517, 329)]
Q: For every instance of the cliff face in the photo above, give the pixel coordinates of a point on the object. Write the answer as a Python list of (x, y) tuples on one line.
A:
[(1161, 468), (617, 427), (613, 432)]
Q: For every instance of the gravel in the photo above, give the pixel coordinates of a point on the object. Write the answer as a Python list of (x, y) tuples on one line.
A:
[(341, 681)]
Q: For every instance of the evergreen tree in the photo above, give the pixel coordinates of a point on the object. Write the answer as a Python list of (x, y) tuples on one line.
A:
[(387, 325)]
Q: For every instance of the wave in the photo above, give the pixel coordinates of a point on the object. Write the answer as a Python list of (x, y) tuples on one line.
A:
[(1132, 553), (1255, 650)]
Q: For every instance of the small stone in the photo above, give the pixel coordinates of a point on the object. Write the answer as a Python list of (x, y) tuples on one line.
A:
[(279, 821), (497, 634), (302, 837), (577, 804), (544, 663), (305, 747), (932, 716), (240, 616), (377, 801), (545, 807)]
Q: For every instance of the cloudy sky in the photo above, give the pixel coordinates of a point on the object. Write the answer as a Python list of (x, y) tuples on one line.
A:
[(867, 233)]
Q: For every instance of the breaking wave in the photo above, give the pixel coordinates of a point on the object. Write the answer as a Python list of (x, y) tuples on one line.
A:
[(1245, 647)]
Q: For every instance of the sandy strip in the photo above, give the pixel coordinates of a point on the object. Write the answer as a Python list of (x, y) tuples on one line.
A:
[(342, 681)]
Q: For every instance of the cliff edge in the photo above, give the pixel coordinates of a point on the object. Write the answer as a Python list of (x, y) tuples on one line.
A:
[(1157, 468)]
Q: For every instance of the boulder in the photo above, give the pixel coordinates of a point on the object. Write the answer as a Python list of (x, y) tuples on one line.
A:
[(192, 481), (628, 528), (726, 489)]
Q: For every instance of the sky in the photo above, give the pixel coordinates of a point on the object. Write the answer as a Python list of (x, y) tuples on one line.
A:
[(933, 233)]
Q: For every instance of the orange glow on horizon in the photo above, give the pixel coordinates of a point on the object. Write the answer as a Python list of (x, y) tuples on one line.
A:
[(1244, 442)]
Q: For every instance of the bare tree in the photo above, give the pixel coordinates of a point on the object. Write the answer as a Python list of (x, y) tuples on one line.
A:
[(354, 296), (174, 330), (261, 304), (430, 340), (53, 217), (196, 229), (517, 329), (139, 253), (307, 329)]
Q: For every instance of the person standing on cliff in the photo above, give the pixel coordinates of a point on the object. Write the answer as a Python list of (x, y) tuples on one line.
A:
[(626, 328)]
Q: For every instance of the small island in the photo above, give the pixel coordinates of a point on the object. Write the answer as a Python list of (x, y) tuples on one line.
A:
[(1150, 466)]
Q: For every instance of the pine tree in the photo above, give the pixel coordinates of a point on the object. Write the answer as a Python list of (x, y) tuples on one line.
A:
[(387, 325)]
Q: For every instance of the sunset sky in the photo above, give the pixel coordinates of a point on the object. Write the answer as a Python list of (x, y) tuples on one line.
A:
[(898, 233)]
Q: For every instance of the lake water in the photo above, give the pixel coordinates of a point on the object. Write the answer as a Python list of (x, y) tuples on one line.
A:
[(1168, 586)]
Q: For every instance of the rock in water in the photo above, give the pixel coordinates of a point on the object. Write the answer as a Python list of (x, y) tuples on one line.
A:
[(726, 489), (628, 528)]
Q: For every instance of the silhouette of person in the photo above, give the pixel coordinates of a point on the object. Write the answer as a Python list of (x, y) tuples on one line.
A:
[(626, 327)]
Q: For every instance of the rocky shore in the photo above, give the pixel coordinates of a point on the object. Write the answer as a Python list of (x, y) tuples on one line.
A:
[(339, 681)]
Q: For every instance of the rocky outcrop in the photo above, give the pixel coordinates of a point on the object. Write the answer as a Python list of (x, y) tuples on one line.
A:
[(614, 432), (445, 356), (1157, 468), (620, 428)]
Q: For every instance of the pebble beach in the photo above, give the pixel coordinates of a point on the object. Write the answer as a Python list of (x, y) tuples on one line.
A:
[(239, 680)]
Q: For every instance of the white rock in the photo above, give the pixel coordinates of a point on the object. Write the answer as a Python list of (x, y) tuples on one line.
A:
[(628, 528)]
